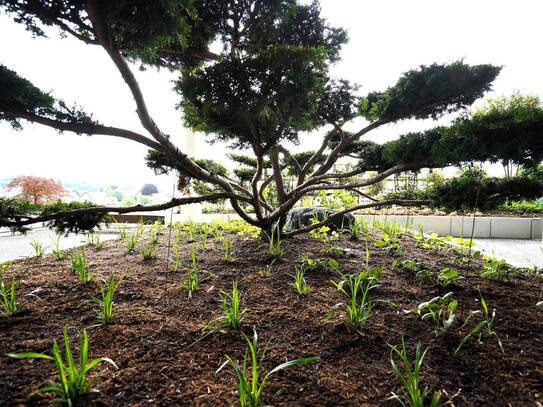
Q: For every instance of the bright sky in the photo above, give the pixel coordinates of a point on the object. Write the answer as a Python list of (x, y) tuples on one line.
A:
[(387, 37)]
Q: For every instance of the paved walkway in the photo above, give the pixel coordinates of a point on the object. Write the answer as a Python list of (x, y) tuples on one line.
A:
[(18, 246), (517, 252)]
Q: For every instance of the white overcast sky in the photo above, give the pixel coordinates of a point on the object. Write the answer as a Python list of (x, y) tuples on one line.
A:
[(387, 38)]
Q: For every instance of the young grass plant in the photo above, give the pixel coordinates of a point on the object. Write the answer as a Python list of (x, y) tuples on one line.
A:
[(231, 317), (275, 244), (299, 282), (192, 284), (94, 239), (356, 289), (38, 248), (80, 266), (176, 252), (105, 312), (73, 379), (228, 256), (148, 252), (484, 327), (131, 241), (266, 273), (251, 381), (8, 298), (123, 231), (408, 373), (58, 253)]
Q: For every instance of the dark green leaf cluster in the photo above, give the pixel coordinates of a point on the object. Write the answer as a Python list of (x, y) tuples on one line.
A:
[(13, 210), (168, 33), (161, 163), (248, 26), (19, 96), (466, 193), (73, 223), (430, 91), (506, 130), (256, 100)]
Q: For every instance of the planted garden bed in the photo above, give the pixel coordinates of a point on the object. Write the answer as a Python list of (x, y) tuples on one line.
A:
[(165, 357)]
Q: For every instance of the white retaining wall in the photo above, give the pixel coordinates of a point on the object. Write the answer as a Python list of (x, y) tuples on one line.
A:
[(461, 226)]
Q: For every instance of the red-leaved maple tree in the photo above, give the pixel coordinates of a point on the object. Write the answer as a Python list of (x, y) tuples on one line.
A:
[(37, 190)]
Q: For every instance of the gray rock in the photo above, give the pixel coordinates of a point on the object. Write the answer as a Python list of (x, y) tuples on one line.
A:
[(300, 217)]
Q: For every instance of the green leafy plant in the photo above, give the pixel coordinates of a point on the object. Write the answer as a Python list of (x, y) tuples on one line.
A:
[(496, 269), (359, 228), (408, 373), (148, 251), (448, 276), (73, 379), (232, 316), (309, 263), (356, 289), (484, 327), (58, 253), (251, 381), (80, 266), (439, 310), (8, 297), (105, 312), (299, 282), (38, 248)]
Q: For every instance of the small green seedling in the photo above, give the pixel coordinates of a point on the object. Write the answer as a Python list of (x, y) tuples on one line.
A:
[(105, 312), (94, 239), (356, 289), (131, 241), (484, 327), (58, 253), (408, 373), (148, 251), (448, 277), (80, 266), (232, 316), (228, 256), (8, 297), (38, 248), (299, 281), (251, 381), (440, 311), (73, 379)]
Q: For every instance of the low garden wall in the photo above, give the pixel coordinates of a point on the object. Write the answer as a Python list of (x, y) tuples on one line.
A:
[(462, 226)]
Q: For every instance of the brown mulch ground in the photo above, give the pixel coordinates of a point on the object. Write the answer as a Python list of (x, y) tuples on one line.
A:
[(153, 340)]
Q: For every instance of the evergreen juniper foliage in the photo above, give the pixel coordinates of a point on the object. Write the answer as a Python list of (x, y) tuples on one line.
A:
[(256, 75)]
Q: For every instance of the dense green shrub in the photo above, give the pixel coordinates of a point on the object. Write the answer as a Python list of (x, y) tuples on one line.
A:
[(467, 193)]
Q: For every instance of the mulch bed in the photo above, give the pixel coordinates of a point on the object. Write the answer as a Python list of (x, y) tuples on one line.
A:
[(154, 339)]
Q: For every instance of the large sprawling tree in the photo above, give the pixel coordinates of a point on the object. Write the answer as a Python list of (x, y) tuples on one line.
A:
[(267, 83)]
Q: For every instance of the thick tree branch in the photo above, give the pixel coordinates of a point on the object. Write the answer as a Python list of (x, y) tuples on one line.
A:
[(105, 209), (278, 178), (87, 128)]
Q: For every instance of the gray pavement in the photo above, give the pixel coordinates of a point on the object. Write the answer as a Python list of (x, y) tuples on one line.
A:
[(18, 246), (517, 252)]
